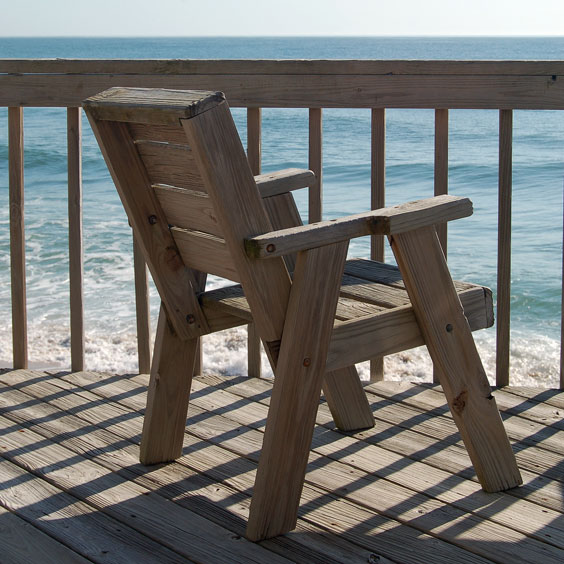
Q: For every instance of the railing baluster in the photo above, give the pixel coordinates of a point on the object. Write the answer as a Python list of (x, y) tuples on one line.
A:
[(74, 151), (504, 246), (254, 147), (378, 200), (441, 166), (142, 307), (441, 178), (562, 317), (17, 237), (316, 163)]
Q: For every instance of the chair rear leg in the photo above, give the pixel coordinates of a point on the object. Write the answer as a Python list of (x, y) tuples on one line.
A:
[(452, 348), (168, 394), (347, 400)]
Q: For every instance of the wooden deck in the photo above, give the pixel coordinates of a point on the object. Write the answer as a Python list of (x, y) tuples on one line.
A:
[(72, 489)]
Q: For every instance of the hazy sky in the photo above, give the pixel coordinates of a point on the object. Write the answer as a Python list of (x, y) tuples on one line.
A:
[(283, 17)]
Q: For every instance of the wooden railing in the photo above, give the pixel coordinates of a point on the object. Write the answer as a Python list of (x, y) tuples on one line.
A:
[(377, 85)]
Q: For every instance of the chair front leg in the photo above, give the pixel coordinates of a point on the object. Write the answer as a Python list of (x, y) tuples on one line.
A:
[(297, 386), (452, 348)]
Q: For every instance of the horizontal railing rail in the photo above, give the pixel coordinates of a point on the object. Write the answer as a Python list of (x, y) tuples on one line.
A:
[(377, 85)]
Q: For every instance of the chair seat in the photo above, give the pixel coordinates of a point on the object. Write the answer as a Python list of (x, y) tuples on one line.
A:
[(372, 299)]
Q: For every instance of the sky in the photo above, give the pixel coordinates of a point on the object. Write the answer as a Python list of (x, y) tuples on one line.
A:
[(155, 18)]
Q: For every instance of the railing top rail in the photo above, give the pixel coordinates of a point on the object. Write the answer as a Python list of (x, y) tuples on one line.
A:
[(351, 67), (297, 84)]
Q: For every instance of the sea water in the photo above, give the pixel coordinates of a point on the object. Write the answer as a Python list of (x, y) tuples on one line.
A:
[(538, 172)]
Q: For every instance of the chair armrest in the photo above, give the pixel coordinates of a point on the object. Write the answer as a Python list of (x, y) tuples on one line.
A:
[(385, 221), (282, 181)]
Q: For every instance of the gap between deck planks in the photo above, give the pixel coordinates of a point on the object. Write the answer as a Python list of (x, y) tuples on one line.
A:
[(117, 383)]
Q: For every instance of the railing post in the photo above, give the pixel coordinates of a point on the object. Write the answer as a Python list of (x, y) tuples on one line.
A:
[(17, 237), (74, 151), (254, 148), (316, 164), (378, 200), (504, 246)]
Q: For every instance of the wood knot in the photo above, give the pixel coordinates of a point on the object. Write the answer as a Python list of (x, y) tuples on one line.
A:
[(459, 402)]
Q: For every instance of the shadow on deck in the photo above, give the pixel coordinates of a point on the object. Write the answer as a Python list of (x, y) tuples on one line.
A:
[(72, 489)]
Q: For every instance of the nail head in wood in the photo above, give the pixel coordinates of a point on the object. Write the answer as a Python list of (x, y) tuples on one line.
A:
[(307, 361), (152, 219), (190, 319), (270, 248), (449, 328)]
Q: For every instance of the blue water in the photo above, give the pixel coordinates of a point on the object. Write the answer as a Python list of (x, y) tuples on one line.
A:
[(538, 175)]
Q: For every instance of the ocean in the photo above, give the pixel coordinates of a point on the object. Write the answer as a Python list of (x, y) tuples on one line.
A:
[(538, 173)]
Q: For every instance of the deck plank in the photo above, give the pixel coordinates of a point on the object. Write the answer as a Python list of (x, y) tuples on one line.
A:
[(385, 493)]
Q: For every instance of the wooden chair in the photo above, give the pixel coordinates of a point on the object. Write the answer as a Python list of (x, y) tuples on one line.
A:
[(183, 177)]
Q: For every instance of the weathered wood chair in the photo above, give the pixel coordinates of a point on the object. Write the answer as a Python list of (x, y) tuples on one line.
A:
[(182, 174)]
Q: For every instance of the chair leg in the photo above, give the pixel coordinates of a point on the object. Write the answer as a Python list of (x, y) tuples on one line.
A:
[(347, 400), (297, 386), (168, 394), (452, 348)]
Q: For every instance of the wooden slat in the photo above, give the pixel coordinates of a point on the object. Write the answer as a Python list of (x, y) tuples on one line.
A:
[(303, 90), (254, 152), (17, 237), (394, 330), (142, 309), (562, 318), (76, 269), (378, 176), (188, 209), (441, 179), (396, 219), (173, 279), (504, 246), (441, 166), (316, 164), (160, 133), (377, 200), (205, 252), (170, 164), (22, 543), (282, 67)]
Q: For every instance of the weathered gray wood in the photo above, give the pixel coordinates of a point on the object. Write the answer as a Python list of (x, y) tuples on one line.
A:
[(140, 105), (386, 221), (377, 201), (22, 543), (142, 309), (301, 83), (282, 181), (173, 279), (17, 237), (450, 344), (315, 200), (71, 523), (394, 330), (168, 394), (504, 246), (205, 252), (297, 385), (271, 66), (236, 199), (74, 146), (254, 155)]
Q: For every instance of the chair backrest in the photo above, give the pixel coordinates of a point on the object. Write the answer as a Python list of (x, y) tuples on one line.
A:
[(182, 174)]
